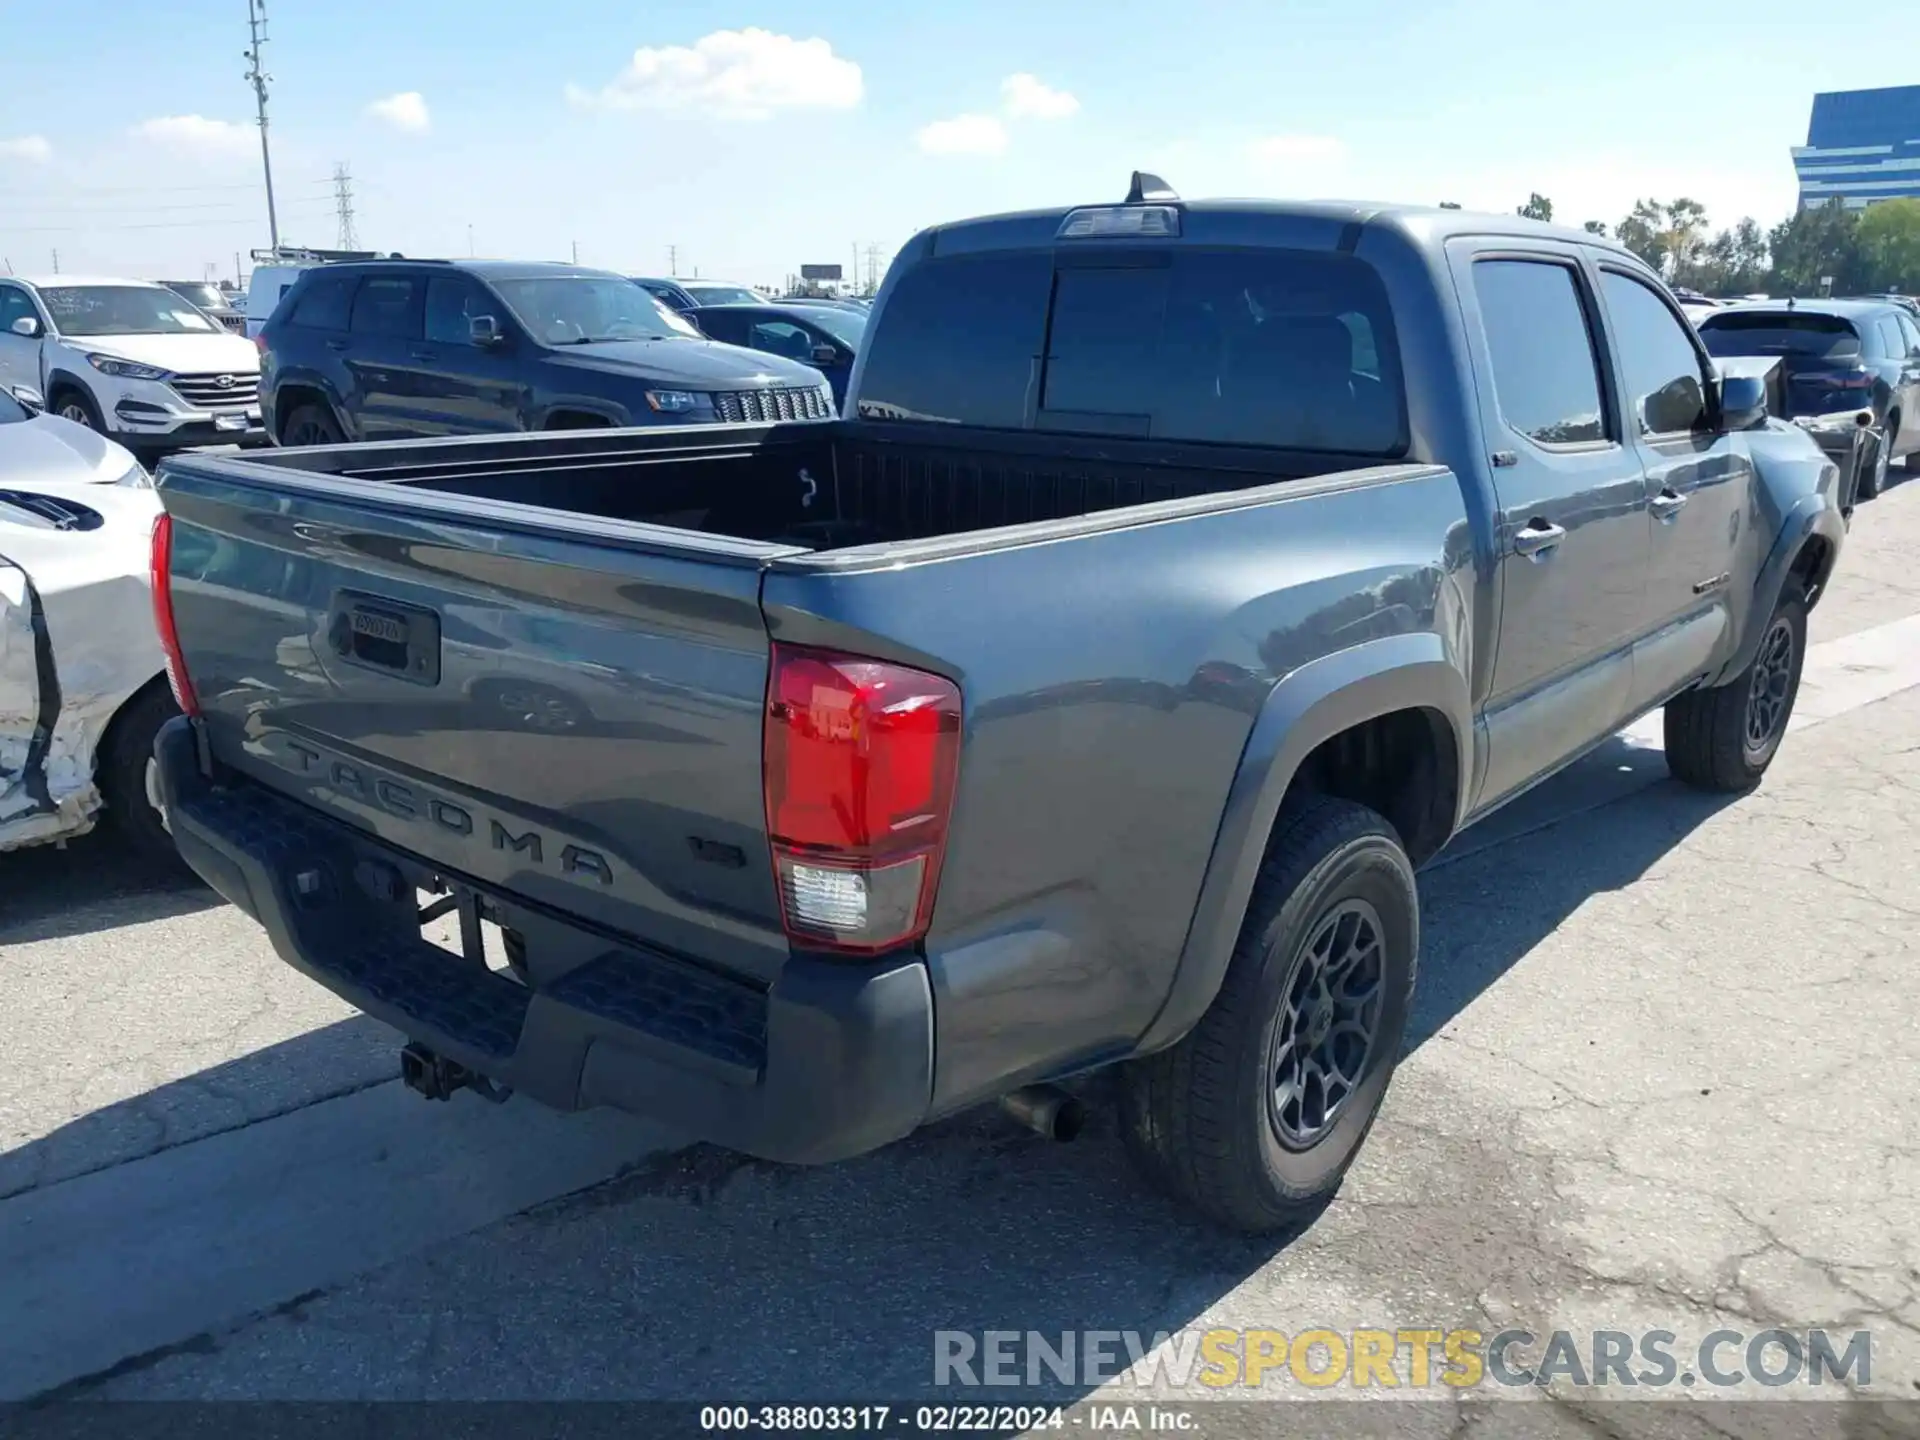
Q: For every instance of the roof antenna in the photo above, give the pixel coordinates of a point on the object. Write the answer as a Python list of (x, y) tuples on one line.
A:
[(1149, 189)]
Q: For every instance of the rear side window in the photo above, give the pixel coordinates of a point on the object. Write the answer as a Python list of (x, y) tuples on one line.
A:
[(1910, 333), (1546, 380), (387, 305), (1893, 345), (322, 305), (958, 341), (1282, 348), (1666, 392)]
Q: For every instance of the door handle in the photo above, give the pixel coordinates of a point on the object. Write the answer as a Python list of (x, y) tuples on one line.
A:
[(1667, 504), (336, 344), (1538, 540), (420, 354)]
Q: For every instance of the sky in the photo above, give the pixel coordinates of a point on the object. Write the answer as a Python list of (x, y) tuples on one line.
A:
[(746, 138)]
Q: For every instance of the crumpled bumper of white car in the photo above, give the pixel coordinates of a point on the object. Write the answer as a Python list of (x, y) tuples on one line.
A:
[(183, 409), (76, 641)]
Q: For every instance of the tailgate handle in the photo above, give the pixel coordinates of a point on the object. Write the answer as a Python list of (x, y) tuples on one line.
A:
[(376, 633)]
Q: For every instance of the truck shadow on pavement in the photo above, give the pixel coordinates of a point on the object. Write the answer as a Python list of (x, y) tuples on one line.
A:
[(702, 1274), (93, 883)]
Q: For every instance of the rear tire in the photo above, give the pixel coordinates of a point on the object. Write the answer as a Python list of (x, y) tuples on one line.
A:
[(310, 425), (1873, 465), (126, 776), (1722, 740), (1254, 1117)]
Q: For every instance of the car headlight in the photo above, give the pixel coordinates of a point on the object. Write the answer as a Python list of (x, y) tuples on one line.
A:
[(675, 402), (826, 397), (125, 369), (136, 478)]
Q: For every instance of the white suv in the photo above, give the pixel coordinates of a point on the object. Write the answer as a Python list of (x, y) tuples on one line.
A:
[(129, 359)]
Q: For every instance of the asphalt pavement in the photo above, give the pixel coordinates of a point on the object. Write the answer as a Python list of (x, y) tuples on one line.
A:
[(1661, 1077)]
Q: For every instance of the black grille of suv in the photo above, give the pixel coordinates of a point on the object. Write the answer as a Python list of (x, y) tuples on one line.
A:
[(754, 406), (209, 393)]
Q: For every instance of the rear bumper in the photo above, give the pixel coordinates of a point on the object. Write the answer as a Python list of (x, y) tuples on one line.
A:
[(832, 1061)]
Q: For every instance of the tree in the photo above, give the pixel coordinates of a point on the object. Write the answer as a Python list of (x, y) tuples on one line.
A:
[(1733, 262), (1667, 234), (1642, 232), (1538, 207), (1889, 244), (1816, 244), (1595, 227), (1685, 232)]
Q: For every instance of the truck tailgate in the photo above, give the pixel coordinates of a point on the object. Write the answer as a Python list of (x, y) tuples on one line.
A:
[(563, 709)]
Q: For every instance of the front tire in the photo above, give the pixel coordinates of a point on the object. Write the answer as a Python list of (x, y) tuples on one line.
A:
[(1722, 740), (126, 771), (1254, 1117), (76, 405)]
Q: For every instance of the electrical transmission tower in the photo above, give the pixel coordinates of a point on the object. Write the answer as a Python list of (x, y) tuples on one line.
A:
[(873, 268), (343, 206), (258, 78)]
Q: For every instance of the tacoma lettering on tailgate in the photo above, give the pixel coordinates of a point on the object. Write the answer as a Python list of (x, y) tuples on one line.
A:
[(411, 803)]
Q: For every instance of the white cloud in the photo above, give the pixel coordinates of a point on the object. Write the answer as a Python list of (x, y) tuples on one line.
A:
[(1296, 150), (964, 135), (33, 148), (1025, 98), (198, 135), (405, 111), (742, 74)]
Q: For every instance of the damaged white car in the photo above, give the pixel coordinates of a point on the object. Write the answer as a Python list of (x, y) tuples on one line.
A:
[(82, 677)]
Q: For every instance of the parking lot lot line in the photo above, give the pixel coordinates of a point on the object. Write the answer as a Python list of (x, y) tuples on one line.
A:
[(150, 1253)]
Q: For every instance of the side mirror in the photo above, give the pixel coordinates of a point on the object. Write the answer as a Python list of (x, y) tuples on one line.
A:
[(1680, 404), (485, 331), (1743, 401), (826, 355), (28, 326), (32, 399)]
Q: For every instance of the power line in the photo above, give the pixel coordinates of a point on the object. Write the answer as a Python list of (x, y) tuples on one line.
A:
[(343, 204)]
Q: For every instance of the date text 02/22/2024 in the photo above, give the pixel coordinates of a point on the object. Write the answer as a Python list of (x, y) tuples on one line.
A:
[(941, 1419)]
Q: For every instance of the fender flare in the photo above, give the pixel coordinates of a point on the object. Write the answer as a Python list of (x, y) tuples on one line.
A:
[(1812, 516), (307, 380), (59, 376), (1309, 706)]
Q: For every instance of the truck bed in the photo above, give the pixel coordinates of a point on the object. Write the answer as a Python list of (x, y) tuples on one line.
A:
[(817, 486)]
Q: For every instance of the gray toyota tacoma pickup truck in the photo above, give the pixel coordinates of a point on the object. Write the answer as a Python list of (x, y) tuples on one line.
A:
[(1181, 577)]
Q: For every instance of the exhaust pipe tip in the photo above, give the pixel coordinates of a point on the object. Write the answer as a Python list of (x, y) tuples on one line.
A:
[(1048, 1111)]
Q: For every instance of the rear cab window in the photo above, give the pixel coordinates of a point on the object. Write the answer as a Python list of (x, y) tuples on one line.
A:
[(1286, 349)]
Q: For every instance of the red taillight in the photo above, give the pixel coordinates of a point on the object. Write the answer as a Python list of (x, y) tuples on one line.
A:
[(160, 581), (860, 763)]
